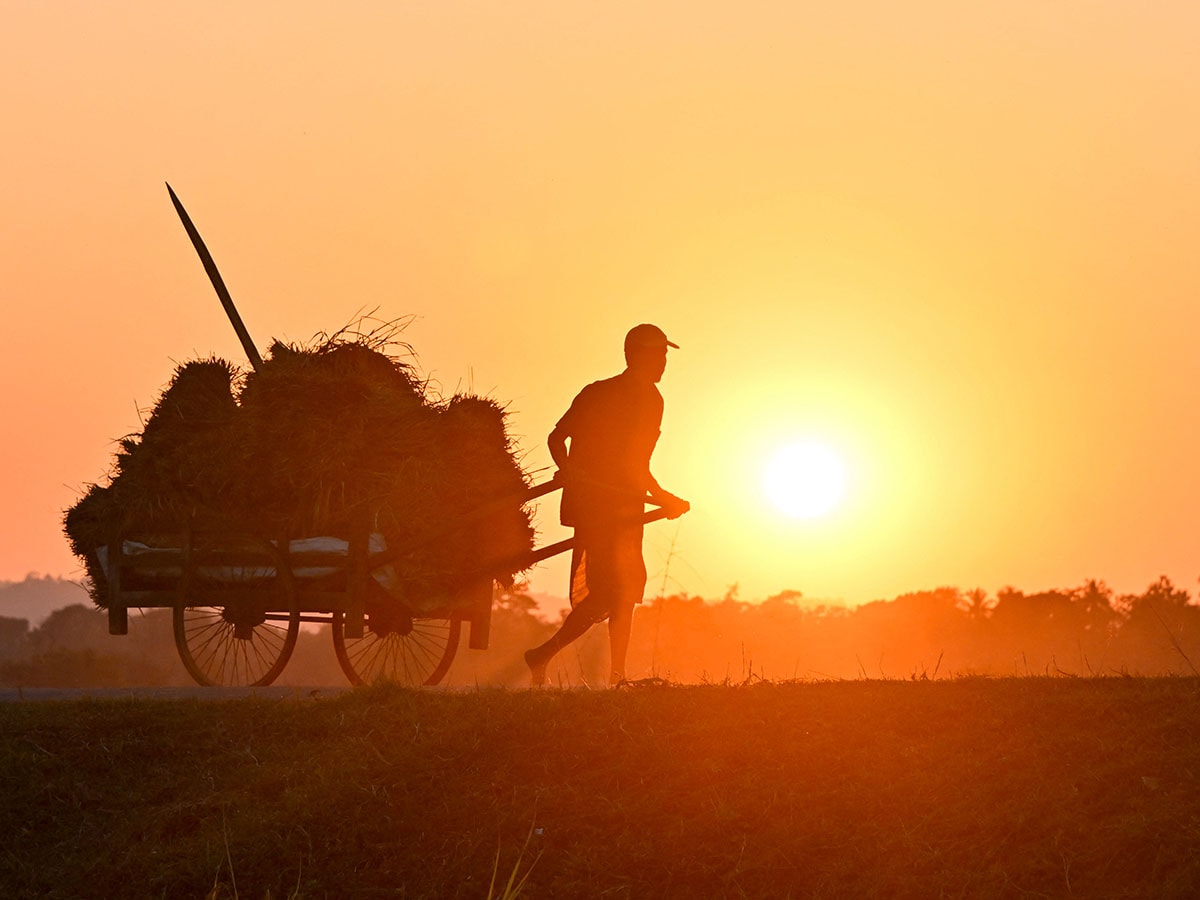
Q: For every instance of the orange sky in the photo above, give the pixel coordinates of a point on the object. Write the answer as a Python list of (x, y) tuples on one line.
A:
[(951, 240)]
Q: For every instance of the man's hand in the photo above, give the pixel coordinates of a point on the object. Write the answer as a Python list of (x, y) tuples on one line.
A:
[(674, 506)]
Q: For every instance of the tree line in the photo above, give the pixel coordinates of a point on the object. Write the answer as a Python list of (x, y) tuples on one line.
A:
[(1089, 630)]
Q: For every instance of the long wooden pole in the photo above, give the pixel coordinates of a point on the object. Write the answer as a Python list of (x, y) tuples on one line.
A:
[(218, 283), (651, 515), (394, 554)]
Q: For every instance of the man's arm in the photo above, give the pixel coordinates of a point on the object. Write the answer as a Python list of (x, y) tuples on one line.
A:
[(675, 506), (558, 447), (564, 429)]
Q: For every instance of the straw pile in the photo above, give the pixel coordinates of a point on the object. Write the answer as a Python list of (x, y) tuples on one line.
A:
[(318, 441)]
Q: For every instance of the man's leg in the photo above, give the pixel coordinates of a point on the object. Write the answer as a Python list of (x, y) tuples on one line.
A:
[(620, 626), (628, 584), (584, 609), (576, 624)]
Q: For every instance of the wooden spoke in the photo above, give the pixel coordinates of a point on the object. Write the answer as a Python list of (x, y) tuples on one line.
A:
[(232, 646), (397, 649)]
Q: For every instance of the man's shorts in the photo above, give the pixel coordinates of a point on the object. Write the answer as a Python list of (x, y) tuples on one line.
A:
[(607, 569)]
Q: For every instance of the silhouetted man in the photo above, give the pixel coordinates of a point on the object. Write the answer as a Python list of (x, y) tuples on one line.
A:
[(612, 427)]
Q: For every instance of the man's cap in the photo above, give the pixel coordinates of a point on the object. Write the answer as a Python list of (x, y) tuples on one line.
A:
[(647, 336)]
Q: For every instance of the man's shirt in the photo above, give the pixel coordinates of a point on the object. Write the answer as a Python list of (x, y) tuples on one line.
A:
[(613, 426)]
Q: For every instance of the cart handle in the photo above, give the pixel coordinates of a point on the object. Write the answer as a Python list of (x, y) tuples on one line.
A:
[(392, 555), (544, 553), (541, 490), (535, 556)]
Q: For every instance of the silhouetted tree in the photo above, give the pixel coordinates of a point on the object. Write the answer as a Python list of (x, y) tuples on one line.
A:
[(74, 627), (975, 603), (14, 638), (1161, 629)]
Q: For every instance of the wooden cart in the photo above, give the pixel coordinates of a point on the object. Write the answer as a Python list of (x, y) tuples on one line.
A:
[(238, 601)]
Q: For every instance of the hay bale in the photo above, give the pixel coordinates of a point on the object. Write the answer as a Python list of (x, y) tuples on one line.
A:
[(317, 441)]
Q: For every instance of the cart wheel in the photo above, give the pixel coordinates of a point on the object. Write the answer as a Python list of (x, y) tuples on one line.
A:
[(237, 645), (396, 647)]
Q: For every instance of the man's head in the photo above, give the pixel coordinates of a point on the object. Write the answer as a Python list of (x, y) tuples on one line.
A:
[(646, 351)]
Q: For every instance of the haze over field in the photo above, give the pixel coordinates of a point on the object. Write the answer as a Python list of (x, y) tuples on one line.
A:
[(953, 243)]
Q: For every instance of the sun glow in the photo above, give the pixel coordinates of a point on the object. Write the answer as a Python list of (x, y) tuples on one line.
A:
[(805, 480)]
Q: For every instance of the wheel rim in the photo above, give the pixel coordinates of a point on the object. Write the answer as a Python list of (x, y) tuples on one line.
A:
[(402, 650), (220, 646)]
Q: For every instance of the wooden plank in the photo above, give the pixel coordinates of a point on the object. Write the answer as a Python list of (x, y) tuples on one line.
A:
[(356, 587), (285, 584), (188, 573), (308, 601), (481, 614), (148, 599), (118, 611), (234, 559)]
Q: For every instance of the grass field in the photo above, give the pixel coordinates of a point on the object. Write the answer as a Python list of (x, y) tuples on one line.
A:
[(963, 788)]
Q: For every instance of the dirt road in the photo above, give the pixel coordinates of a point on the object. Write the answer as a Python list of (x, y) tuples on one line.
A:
[(26, 695)]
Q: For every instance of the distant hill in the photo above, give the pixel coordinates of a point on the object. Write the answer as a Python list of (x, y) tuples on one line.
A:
[(39, 595)]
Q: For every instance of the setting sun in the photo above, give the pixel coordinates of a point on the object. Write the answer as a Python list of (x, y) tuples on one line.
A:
[(805, 480)]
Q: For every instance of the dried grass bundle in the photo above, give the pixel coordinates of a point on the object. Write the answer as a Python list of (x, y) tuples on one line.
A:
[(321, 440)]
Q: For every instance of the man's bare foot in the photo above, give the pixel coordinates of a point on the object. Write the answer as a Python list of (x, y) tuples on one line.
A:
[(537, 668)]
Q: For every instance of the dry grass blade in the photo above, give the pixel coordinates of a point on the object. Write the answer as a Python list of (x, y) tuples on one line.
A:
[(1173, 639), (516, 881)]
